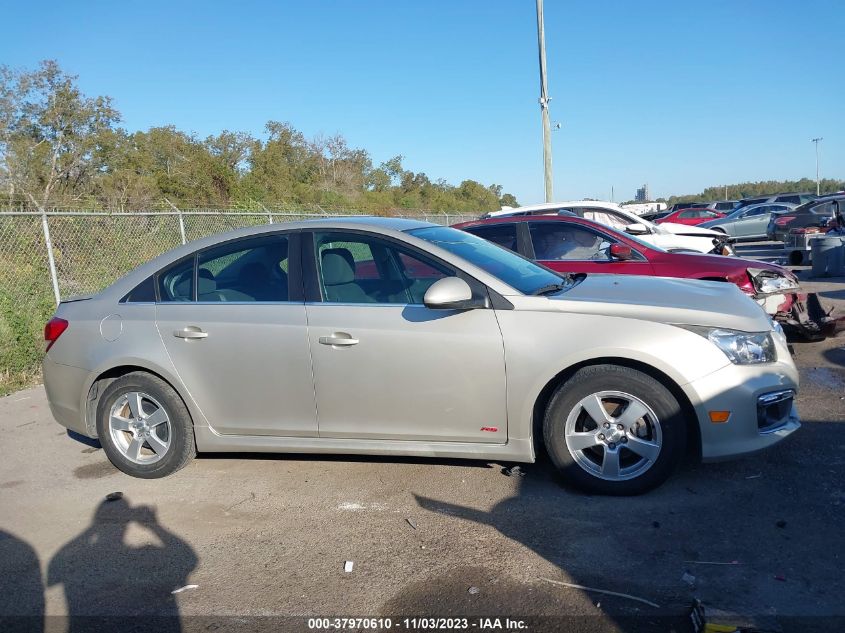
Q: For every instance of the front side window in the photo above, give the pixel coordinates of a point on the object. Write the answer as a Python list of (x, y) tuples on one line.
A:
[(361, 268), (557, 241)]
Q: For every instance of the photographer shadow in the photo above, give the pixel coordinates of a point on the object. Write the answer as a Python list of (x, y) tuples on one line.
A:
[(111, 585)]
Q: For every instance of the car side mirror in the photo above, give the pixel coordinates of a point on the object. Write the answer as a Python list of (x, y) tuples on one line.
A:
[(621, 252), (450, 293), (637, 229)]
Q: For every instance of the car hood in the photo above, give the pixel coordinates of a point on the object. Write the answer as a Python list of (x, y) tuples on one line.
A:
[(664, 300), (685, 229)]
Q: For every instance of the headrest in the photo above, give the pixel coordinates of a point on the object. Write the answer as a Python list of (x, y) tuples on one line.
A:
[(254, 272), (338, 266)]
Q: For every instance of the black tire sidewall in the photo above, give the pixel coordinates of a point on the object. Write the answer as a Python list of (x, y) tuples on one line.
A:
[(182, 446), (597, 378)]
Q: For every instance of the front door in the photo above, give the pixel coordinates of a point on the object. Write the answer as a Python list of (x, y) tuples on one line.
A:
[(233, 321), (385, 366)]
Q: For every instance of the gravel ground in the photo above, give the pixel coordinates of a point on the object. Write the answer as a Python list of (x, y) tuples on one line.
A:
[(265, 538)]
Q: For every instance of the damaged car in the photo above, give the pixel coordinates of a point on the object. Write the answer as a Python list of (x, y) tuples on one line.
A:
[(570, 244), (669, 236)]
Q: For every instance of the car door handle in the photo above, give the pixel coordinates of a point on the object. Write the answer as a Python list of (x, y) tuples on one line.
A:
[(338, 339), (189, 332)]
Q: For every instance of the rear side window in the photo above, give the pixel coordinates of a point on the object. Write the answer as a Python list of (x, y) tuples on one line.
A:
[(177, 282), (144, 292), (503, 235), (792, 199), (247, 270)]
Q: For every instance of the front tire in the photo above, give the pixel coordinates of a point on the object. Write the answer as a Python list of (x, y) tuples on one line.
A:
[(144, 427), (614, 430)]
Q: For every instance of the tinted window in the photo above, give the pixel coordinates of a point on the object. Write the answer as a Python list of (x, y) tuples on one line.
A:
[(516, 271), (503, 235), (558, 241), (359, 268), (758, 211), (792, 199), (177, 282), (246, 270), (144, 292), (689, 213)]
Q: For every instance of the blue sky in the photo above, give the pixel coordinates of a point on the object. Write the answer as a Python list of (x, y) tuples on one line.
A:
[(680, 95)]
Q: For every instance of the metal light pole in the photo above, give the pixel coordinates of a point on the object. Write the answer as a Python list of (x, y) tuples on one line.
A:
[(816, 141), (544, 105)]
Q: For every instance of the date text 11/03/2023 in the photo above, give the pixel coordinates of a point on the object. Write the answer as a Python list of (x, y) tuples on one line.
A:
[(417, 624)]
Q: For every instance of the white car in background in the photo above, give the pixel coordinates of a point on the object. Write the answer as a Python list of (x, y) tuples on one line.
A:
[(668, 236)]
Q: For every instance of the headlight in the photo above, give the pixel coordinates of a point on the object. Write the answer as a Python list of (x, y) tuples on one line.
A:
[(771, 282), (742, 348)]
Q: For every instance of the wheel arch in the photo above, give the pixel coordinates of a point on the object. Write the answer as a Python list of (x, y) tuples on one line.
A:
[(107, 376), (546, 393)]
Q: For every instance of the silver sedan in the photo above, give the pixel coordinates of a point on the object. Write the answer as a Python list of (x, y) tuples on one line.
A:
[(396, 337)]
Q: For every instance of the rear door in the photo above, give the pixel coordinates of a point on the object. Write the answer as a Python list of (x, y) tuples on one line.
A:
[(385, 366), (232, 319)]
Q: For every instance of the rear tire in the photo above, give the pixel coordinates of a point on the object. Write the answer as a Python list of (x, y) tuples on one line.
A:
[(633, 447), (144, 427)]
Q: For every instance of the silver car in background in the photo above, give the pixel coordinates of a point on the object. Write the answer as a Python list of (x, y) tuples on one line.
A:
[(747, 223), (396, 337)]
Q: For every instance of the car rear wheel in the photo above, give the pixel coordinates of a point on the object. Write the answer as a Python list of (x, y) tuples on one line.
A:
[(614, 430), (144, 427)]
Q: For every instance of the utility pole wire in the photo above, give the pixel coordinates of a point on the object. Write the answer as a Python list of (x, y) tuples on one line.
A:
[(544, 105)]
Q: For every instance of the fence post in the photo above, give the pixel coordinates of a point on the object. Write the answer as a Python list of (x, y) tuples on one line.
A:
[(269, 215), (50, 258), (181, 221)]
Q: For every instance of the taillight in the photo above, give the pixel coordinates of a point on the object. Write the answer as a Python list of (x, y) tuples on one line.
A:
[(784, 221), (53, 330)]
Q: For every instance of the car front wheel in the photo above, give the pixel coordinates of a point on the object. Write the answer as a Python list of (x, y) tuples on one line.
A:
[(614, 430), (144, 427)]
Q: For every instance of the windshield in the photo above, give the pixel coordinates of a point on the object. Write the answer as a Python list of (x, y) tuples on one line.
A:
[(513, 269)]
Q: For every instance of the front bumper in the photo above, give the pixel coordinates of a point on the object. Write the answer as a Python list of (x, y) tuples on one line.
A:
[(739, 389), (64, 386)]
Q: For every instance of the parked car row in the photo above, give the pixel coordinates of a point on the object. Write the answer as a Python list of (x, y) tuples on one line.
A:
[(726, 213), (397, 337), (824, 213), (669, 236)]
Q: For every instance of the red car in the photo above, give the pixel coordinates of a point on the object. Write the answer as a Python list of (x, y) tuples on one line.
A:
[(570, 244), (690, 217)]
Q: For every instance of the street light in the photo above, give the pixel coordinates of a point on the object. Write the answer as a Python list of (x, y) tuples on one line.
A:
[(816, 141)]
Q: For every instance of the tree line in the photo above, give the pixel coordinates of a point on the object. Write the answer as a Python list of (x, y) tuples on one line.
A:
[(62, 149), (761, 188)]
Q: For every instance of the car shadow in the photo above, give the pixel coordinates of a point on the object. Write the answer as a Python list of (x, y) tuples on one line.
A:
[(720, 532)]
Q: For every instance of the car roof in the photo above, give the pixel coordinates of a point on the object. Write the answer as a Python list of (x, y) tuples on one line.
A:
[(551, 206)]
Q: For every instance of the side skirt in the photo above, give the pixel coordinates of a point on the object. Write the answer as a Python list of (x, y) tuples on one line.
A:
[(210, 442)]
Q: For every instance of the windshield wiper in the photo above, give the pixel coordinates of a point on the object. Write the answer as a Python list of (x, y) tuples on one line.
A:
[(545, 290)]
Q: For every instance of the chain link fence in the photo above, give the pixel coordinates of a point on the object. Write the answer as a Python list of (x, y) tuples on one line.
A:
[(50, 256)]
